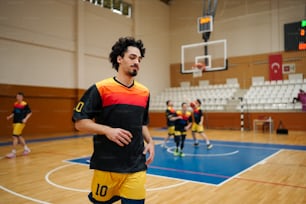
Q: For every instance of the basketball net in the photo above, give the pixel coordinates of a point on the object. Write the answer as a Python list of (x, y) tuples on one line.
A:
[(197, 70)]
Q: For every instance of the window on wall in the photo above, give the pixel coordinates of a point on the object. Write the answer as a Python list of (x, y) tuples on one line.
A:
[(117, 6)]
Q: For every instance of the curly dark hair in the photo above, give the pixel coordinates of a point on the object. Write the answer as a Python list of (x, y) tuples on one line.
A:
[(120, 47)]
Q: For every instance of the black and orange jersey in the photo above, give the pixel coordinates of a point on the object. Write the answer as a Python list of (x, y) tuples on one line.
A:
[(184, 121), (111, 103), (197, 114), (169, 113), (20, 111)]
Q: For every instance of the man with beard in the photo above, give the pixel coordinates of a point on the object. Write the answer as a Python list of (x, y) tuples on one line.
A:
[(116, 110)]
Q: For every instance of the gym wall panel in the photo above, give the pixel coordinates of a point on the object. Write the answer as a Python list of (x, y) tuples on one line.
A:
[(51, 107), (231, 121), (29, 64), (243, 68)]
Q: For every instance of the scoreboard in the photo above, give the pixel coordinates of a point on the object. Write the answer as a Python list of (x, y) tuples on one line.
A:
[(295, 35), (302, 41)]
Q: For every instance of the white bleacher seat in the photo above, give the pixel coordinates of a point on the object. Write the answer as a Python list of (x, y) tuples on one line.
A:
[(203, 83), (299, 80), (258, 80), (267, 83), (294, 77), (279, 82), (219, 107), (273, 82), (267, 106), (289, 106), (185, 83), (298, 106)]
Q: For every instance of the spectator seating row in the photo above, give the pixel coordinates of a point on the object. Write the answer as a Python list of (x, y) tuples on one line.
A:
[(273, 96), (215, 97), (261, 96)]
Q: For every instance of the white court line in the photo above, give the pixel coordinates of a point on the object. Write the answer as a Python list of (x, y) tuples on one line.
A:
[(167, 187), (170, 150), (87, 191), (247, 169), (61, 186), (22, 196)]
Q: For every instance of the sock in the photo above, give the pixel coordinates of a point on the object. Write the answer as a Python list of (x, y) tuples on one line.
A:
[(14, 151), (26, 147)]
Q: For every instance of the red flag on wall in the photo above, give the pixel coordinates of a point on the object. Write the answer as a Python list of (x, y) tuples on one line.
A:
[(275, 67)]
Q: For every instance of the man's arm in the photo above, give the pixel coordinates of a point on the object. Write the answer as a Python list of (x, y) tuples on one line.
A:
[(27, 117), (149, 146), (10, 116), (119, 136)]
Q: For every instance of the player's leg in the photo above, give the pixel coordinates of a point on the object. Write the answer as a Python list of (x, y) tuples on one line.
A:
[(170, 133), (183, 137), (177, 140), (104, 187), (22, 141), (12, 154), (133, 188), (200, 130), (208, 143), (166, 138), (17, 131), (193, 134), (129, 201)]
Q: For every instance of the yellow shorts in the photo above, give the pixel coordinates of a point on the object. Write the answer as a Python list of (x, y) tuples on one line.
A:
[(171, 130), (106, 185), (197, 128), (17, 128), (179, 133)]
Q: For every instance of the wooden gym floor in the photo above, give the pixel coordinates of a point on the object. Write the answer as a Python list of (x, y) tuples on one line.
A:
[(44, 176)]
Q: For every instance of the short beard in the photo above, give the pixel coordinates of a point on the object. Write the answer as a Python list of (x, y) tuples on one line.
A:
[(133, 73)]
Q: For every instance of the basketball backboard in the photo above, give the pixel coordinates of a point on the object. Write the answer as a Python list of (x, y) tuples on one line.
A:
[(213, 54)]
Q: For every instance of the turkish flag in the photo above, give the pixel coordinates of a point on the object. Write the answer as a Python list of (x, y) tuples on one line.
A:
[(275, 67)]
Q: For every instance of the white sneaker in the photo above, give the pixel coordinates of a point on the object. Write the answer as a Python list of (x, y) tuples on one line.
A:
[(26, 152), (11, 155), (209, 146)]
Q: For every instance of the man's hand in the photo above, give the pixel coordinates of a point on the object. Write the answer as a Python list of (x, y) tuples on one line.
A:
[(149, 148), (119, 136)]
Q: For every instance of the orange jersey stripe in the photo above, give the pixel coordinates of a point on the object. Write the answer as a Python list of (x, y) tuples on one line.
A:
[(113, 93)]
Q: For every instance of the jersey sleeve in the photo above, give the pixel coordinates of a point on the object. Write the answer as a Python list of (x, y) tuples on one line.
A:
[(190, 118), (146, 119), (27, 109), (200, 112), (89, 106)]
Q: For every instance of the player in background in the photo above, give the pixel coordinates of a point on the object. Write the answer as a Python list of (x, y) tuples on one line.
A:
[(197, 126), (183, 122), (170, 112), (20, 114)]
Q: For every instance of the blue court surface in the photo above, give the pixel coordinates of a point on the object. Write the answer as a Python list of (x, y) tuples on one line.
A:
[(215, 166)]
